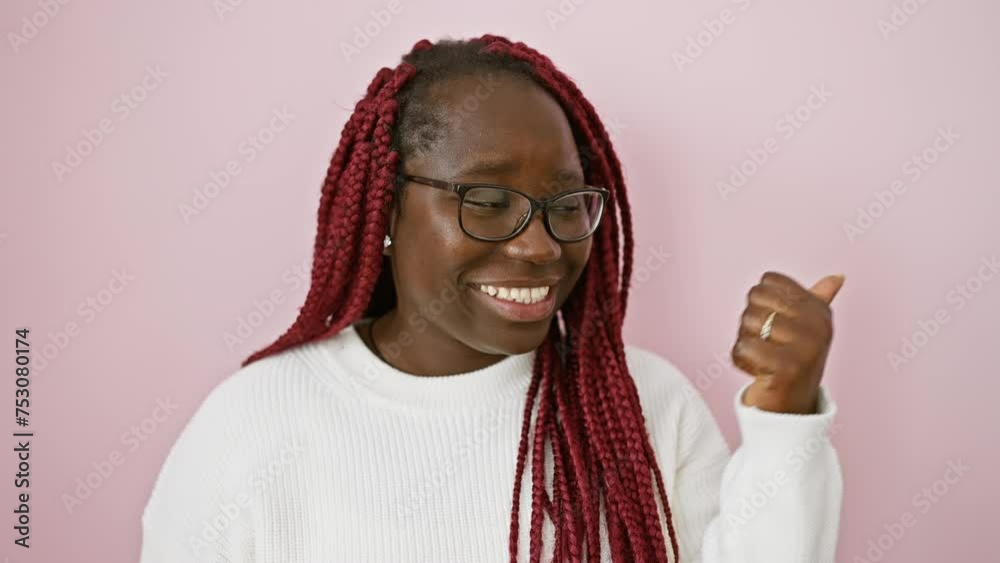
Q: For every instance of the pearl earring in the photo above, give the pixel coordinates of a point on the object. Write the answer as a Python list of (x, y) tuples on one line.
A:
[(387, 241)]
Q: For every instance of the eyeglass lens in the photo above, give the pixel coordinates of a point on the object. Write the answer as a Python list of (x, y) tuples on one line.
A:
[(495, 212)]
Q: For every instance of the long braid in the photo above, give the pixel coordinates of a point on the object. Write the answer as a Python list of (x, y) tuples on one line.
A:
[(588, 410), (568, 524), (522, 455), (340, 222), (636, 432), (538, 457), (583, 478), (608, 162)]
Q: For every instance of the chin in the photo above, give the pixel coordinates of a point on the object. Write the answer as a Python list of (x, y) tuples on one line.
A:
[(515, 338)]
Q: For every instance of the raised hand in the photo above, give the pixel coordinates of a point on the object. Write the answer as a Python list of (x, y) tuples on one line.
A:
[(788, 364)]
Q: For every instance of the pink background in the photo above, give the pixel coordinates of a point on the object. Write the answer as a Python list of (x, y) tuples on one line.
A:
[(678, 131)]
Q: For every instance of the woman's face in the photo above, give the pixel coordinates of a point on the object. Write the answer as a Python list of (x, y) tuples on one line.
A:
[(504, 130)]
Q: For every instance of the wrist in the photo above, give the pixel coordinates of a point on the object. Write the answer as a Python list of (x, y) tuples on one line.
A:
[(802, 402)]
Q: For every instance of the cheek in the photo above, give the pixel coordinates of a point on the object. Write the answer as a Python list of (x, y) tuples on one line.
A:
[(445, 231), (434, 222), (435, 253), (579, 254)]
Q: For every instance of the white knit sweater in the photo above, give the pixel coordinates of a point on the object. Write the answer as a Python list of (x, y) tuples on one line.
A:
[(324, 453)]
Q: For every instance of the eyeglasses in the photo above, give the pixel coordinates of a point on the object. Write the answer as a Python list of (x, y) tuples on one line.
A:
[(492, 213)]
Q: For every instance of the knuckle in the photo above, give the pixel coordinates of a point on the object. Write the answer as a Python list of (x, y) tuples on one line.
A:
[(756, 292), (787, 298), (738, 351)]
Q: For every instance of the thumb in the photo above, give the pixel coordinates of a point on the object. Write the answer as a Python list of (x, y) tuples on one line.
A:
[(827, 288)]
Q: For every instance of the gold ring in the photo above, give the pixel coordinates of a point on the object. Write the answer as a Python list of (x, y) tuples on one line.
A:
[(765, 331)]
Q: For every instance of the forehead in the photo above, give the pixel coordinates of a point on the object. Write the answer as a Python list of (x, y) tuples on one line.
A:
[(502, 126)]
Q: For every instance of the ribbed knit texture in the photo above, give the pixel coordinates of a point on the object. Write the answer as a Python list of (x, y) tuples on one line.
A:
[(324, 453)]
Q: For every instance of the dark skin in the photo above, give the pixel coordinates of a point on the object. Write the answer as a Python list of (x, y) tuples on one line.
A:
[(788, 366), (523, 126), (438, 328)]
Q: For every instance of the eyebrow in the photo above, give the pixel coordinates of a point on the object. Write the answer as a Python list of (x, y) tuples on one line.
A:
[(488, 167)]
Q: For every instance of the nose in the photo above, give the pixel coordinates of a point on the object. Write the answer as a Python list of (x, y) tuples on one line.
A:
[(534, 244)]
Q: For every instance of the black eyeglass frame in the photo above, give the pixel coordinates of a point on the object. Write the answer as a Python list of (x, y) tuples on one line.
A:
[(462, 188)]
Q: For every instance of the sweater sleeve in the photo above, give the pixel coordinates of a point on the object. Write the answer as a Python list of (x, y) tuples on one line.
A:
[(199, 509), (777, 498)]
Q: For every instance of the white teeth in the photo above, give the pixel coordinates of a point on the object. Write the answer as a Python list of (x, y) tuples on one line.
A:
[(518, 294)]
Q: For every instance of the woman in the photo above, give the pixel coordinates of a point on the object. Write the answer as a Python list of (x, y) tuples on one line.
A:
[(464, 326)]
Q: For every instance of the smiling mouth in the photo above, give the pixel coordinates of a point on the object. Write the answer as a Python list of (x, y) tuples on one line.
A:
[(518, 304), (523, 295)]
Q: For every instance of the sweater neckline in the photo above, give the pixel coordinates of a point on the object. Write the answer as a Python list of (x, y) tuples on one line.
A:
[(369, 374)]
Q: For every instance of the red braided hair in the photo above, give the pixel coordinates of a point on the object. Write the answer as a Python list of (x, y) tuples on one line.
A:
[(588, 405)]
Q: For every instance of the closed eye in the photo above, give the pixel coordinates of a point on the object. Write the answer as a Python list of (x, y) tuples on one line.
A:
[(488, 204), (564, 210)]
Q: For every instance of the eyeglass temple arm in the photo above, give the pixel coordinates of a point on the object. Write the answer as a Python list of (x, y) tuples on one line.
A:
[(440, 184)]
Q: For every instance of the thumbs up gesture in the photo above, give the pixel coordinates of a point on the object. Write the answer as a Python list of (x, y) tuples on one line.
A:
[(787, 359)]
